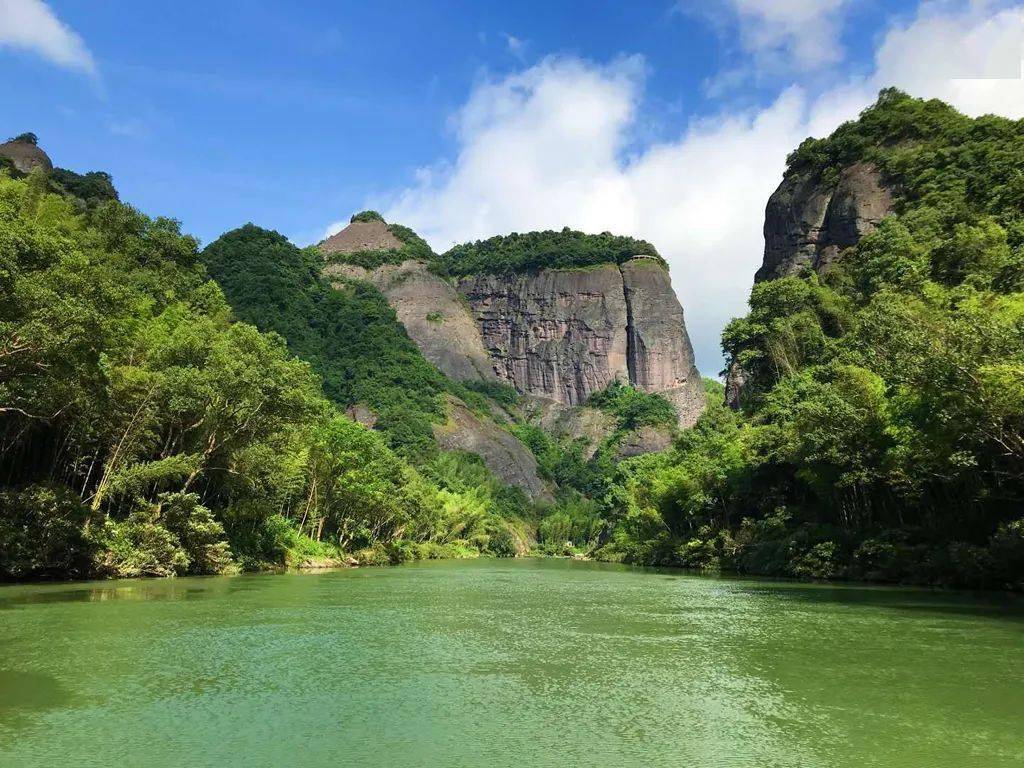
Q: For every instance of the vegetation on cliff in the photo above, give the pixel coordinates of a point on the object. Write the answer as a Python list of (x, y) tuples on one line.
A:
[(530, 251), (882, 431)]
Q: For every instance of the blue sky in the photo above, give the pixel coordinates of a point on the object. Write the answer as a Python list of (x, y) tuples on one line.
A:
[(665, 121)]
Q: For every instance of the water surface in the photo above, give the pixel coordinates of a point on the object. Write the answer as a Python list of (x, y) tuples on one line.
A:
[(506, 663)]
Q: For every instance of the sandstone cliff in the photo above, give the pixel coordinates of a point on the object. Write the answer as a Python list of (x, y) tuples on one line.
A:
[(564, 334), (25, 156), (808, 223), (556, 334)]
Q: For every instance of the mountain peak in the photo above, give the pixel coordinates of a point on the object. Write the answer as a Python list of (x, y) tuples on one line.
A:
[(25, 154), (362, 234)]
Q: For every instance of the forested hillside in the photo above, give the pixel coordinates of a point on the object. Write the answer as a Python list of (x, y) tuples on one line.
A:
[(349, 336), (145, 431), (882, 426)]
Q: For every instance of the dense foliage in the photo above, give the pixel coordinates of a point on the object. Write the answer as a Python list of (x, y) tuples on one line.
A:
[(565, 249), (882, 432), (633, 408), (87, 189), (350, 335), (145, 432)]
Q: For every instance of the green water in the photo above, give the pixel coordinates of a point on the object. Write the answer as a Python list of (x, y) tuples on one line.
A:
[(506, 663)]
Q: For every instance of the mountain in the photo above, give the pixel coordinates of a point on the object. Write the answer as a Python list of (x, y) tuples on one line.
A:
[(557, 315), (24, 154), (877, 381)]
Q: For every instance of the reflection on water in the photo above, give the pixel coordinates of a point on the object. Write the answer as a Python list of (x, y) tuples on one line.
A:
[(507, 663)]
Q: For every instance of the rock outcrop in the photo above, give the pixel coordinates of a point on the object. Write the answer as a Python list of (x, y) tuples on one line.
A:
[(808, 223), (361, 236), (508, 458), (589, 425), (735, 379), (433, 314), (25, 156), (558, 334), (659, 357), (564, 334), (644, 440)]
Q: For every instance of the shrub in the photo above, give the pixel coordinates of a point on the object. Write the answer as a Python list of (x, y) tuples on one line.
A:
[(44, 532)]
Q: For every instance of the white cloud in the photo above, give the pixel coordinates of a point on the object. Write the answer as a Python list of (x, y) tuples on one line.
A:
[(800, 33), (547, 147), (516, 46), (970, 58), (31, 25), (771, 38)]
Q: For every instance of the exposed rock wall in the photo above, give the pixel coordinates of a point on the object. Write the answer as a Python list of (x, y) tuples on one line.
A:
[(566, 334), (808, 223), (434, 316), (559, 334), (659, 356), (25, 156)]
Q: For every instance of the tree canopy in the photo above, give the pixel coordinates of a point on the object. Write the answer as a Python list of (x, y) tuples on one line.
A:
[(564, 249), (882, 431)]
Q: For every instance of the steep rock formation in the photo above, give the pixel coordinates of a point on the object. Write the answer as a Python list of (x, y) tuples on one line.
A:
[(508, 458), (433, 314), (361, 236), (25, 156), (808, 223), (559, 334), (735, 379), (644, 440), (659, 357), (566, 334)]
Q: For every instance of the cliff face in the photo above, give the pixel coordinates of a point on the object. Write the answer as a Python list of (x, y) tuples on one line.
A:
[(556, 334), (559, 334), (659, 356), (566, 334), (433, 314), (808, 223), (25, 156)]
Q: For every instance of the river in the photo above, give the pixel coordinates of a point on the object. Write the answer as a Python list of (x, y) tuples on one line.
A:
[(507, 663)]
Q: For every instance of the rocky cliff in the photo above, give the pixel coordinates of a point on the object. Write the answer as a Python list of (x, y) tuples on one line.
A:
[(564, 334), (556, 334), (808, 222), (433, 314), (25, 155)]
